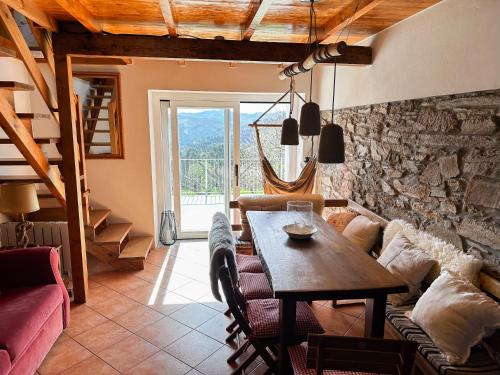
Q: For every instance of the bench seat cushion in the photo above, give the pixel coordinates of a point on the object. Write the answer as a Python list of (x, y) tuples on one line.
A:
[(479, 362)]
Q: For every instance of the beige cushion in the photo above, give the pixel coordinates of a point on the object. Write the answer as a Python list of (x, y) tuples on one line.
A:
[(362, 232), (339, 220), (275, 202), (410, 263), (447, 256), (456, 315)]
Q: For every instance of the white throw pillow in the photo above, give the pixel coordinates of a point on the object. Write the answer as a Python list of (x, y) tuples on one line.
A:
[(447, 256), (410, 263), (362, 232), (456, 315)]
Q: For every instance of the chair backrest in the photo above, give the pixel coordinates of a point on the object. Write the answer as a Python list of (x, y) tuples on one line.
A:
[(235, 303), (360, 354)]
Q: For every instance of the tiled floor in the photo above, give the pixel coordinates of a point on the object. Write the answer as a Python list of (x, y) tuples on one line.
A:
[(161, 320)]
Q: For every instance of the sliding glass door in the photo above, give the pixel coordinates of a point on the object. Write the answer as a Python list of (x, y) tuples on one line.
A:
[(205, 152)]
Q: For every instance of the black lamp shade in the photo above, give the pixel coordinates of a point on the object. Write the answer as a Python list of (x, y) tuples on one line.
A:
[(290, 132), (310, 119), (331, 145)]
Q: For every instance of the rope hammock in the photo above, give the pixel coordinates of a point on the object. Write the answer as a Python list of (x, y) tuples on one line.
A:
[(274, 185)]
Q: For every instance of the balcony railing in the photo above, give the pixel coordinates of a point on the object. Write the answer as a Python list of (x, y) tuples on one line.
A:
[(205, 177)]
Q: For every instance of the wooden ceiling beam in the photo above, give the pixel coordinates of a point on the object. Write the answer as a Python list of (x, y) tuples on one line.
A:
[(168, 16), (174, 48), (81, 14), (8, 23), (32, 11), (257, 14), (85, 60), (350, 13)]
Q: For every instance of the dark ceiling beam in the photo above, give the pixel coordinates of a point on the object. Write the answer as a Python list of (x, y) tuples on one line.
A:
[(81, 14), (350, 13), (168, 16), (174, 48), (257, 13)]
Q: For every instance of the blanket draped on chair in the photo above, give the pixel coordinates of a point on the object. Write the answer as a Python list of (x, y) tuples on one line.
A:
[(274, 185)]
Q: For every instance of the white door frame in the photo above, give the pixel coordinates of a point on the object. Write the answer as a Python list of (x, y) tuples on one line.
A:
[(160, 138)]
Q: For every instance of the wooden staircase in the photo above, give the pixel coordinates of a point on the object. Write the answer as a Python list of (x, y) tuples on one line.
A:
[(100, 99), (112, 244)]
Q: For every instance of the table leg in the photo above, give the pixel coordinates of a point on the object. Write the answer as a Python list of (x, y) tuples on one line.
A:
[(375, 316), (287, 333)]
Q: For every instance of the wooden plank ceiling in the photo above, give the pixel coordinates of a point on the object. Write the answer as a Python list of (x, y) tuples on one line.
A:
[(256, 20)]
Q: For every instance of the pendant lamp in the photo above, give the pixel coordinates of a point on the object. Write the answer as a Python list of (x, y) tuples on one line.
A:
[(310, 119), (290, 127), (290, 132), (331, 140)]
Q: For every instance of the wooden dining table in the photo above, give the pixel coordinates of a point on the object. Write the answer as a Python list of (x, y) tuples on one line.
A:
[(325, 267)]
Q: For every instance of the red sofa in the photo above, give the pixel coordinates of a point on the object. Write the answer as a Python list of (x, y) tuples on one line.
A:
[(34, 308)]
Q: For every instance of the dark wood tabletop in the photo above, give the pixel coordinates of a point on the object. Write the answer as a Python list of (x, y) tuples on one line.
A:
[(326, 266)]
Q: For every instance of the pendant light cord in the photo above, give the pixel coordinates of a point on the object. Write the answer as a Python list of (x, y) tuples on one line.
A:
[(333, 94), (292, 90), (312, 26)]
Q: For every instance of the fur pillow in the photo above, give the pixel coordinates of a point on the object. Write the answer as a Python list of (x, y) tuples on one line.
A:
[(362, 232), (411, 264), (339, 220), (447, 256), (456, 315)]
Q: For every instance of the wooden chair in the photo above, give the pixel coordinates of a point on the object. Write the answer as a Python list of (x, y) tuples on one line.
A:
[(341, 353)]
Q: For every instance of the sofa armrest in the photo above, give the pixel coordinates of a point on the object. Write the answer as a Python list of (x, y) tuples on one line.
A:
[(30, 267)]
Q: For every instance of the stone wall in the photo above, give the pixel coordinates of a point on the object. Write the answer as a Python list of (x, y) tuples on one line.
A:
[(434, 162)]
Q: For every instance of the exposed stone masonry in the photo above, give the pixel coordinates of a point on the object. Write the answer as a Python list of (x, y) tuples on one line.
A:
[(434, 162)]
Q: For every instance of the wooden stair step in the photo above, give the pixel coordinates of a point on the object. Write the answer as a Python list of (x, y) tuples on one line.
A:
[(97, 217), (99, 96), (98, 144), (97, 119), (34, 179), (7, 48), (15, 86), (113, 233), (7, 161), (96, 131), (98, 86), (33, 116), (94, 107), (136, 248), (7, 141)]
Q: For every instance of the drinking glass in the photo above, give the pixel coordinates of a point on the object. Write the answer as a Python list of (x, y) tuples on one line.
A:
[(300, 213)]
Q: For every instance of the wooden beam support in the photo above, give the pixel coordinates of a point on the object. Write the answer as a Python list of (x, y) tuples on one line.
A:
[(81, 14), (101, 61), (174, 48), (33, 12), (168, 16), (349, 14), (71, 168), (257, 14), (31, 151), (353, 55), (23, 51)]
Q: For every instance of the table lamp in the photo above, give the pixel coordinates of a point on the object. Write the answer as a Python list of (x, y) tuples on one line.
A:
[(19, 199)]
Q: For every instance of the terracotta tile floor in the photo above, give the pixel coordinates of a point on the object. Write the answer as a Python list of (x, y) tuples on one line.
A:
[(161, 320)]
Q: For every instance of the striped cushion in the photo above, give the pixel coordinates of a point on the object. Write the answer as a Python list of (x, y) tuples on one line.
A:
[(255, 286), (249, 263), (263, 317), (298, 355), (479, 362)]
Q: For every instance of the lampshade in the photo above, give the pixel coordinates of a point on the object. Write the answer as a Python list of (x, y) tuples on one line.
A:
[(18, 198), (290, 132), (331, 144), (310, 119)]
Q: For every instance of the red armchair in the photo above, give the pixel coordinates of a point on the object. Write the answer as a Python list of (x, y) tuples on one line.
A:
[(34, 308)]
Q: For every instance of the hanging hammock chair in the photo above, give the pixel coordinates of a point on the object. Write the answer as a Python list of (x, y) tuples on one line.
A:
[(304, 184)]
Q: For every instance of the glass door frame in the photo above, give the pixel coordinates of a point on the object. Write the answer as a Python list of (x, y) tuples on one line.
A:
[(230, 179)]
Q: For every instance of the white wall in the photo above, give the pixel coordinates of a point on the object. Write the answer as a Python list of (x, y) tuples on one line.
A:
[(125, 186), (450, 48)]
